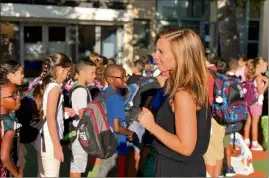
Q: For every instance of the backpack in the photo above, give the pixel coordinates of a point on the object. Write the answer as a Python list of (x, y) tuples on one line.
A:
[(139, 94), (27, 116), (94, 133), (68, 123), (251, 95), (229, 106)]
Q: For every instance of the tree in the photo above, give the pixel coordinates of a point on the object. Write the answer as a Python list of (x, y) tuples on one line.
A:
[(227, 27)]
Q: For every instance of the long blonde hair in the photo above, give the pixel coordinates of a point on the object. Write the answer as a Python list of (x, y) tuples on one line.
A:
[(190, 72), (252, 65)]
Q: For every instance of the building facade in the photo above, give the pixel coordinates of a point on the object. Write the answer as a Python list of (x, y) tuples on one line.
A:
[(30, 30), (201, 15)]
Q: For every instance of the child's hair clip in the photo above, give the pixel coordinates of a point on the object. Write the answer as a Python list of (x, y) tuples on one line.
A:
[(40, 82)]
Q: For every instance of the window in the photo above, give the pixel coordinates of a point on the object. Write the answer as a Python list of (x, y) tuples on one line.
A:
[(56, 34), (141, 33), (252, 50), (169, 13), (196, 8), (32, 34), (253, 30)]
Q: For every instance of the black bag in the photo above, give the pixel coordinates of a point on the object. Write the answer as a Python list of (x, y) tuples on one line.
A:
[(28, 116)]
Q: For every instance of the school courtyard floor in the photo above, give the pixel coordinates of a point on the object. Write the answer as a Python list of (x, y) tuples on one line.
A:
[(260, 163)]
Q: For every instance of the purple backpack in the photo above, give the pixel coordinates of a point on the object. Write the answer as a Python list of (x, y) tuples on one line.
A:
[(251, 95)]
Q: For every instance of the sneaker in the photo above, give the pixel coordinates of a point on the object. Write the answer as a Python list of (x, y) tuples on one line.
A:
[(247, 143), (230, 172), (257, 147)]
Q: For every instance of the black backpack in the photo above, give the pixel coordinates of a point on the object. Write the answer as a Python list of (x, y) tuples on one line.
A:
[(139, 94), (28, 116)]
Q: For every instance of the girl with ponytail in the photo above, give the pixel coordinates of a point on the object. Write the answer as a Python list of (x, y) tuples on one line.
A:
[(49, 99)]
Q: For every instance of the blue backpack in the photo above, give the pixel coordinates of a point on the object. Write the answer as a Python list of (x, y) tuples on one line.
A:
[(229, 106)]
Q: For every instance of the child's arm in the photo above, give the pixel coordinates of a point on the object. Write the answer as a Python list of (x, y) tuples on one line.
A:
[(261, 88), (6, 148), (117, 128), (52, 103)]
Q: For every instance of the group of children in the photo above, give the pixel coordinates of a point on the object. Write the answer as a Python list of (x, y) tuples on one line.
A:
[(251, 70), (47, 94)]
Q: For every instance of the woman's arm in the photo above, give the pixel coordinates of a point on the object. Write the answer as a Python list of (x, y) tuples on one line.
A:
[(185, 122), (6, 148), (261, 88)]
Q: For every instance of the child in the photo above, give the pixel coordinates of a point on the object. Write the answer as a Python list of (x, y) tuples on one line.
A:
[(12, 72), (49, 99), (114, 166), (80, 97), (241, 70), (10, 101), (233, 67), (138, 68), (256, 68), (215, 152)]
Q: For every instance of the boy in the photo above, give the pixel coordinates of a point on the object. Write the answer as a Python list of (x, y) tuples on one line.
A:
[(215, 152), (114, 166), (80, 97), (138, 68), (233, 67)]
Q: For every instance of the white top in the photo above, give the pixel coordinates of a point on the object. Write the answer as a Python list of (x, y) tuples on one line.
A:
[(241, 72), (59, 115), (79, 101)]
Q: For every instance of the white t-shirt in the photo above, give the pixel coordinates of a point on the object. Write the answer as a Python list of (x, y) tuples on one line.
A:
[(59, 120), (79, 101)]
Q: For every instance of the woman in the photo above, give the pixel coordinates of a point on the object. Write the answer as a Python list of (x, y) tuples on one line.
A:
[(182, 127)]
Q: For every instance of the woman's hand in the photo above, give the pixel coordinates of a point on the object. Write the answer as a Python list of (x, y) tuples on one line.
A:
[(146, 119), (58, 153)]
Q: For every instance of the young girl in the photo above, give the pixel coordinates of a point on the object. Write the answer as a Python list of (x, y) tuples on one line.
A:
[(12, 72), (256, 67), (49, 99), (9, 138), (181, 137)]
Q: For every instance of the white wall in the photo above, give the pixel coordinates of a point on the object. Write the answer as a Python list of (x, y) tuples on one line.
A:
[(10, 10), (264, 31)]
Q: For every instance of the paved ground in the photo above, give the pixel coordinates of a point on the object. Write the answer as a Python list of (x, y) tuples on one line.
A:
[(260, 163)]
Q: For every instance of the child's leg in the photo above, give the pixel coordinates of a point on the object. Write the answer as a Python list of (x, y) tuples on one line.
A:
[(133, 157), (228, 153), (48, 166), (247, 129), (255, 122), (80, 157)]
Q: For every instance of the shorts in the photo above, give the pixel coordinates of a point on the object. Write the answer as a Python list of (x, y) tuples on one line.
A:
[(137, 142), (80, 158), (215, 149), (227, 140), (255, 109), (112, 167)]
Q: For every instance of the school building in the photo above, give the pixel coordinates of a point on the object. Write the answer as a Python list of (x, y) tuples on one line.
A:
[(118, 29)]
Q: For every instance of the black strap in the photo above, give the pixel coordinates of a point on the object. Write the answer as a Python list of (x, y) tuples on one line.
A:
[(76, 87), (213, 73)]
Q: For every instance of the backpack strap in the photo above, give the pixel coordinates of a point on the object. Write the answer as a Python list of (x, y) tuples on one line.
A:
[(110, 93), (213, 73), (76, 86)]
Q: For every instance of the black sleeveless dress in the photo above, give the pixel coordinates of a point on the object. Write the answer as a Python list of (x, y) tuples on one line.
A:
[(169, 163)]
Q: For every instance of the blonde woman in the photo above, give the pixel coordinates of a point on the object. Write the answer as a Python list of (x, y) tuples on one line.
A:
[(182, 127)]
